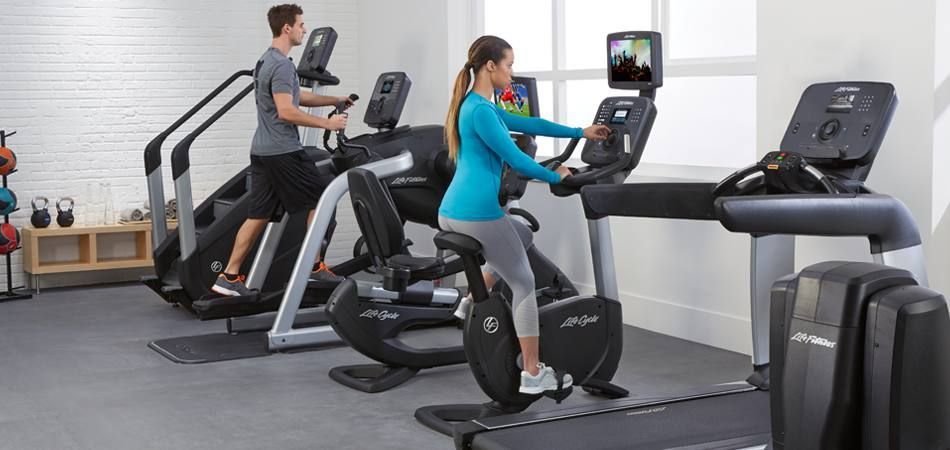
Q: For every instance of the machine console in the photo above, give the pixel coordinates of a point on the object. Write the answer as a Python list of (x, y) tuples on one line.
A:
[(631, 116), (838, 127), (316, 56), (389, 97), (519, 97)]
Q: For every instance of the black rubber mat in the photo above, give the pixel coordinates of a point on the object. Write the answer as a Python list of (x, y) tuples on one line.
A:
[(212, 347)]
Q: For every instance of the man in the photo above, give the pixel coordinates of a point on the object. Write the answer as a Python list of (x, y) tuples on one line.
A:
[(281, 174)]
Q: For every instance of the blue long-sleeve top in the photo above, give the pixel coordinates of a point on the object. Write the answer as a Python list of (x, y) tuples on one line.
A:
[(485, 144)]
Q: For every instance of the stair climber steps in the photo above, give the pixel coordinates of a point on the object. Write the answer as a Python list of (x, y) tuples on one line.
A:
[(222, 205), (199, 229)]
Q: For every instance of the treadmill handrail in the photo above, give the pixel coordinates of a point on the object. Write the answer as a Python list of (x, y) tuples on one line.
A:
[(153, 159), (660, 200), (181, 163), (885, 220)]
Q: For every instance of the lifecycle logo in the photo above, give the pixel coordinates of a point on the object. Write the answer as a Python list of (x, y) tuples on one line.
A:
[(217, 267), (580, 321), (490, 325), (380, 315)]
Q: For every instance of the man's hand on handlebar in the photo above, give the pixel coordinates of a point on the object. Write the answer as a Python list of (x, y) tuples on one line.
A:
[(596, 132), (346, 101), (337, 122)]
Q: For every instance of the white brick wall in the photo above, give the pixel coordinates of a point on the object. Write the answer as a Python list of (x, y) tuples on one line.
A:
[(86, 87)]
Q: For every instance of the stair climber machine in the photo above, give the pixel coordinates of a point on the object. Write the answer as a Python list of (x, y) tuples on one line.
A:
[(373, 325), (859, 351), (430, 176), (420, 148), (581, 335), (188, 261)]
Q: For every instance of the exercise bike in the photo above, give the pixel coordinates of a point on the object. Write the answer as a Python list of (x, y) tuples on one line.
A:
[(581, 335)]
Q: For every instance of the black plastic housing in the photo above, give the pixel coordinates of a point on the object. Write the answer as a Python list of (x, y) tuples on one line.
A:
[(859, 356)]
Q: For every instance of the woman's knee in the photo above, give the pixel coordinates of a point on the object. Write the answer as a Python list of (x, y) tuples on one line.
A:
[(521, 290)]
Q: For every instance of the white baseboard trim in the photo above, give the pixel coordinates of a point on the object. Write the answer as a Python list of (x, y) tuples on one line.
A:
[(704, 326)]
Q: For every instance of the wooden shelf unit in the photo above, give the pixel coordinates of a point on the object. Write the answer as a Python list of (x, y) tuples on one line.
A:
[(88, 248)]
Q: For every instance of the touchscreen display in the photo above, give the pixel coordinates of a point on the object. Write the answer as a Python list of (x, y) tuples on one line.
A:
[(620, 116), (514, 99), (630, 60)]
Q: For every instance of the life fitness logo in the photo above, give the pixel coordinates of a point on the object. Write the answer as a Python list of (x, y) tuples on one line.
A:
[(806, 338), (216, 266), (490, 325)]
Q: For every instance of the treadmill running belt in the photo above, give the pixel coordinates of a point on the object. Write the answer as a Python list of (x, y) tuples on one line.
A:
[(723, 422)]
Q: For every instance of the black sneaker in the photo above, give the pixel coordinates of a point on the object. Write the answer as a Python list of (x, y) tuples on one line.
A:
[(233, 287), (323, 273)]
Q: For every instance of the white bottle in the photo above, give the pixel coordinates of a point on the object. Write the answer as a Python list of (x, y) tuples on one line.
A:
[(109, 209)]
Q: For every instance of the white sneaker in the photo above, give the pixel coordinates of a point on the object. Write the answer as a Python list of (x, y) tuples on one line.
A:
[(545, 380), (465, 307)]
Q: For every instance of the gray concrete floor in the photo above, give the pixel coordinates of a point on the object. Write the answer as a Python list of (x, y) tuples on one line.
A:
[(76, 373)]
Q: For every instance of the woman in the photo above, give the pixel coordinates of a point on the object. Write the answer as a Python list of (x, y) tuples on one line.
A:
[(478, 135)]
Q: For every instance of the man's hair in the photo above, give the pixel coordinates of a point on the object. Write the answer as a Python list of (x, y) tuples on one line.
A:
[(281, 15)]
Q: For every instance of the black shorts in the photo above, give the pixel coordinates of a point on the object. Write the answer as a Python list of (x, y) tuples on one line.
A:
[(288, 181)]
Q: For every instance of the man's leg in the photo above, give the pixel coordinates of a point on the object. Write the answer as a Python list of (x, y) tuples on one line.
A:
[(263, 203), (299, 184), (246, 236), (320, 270)]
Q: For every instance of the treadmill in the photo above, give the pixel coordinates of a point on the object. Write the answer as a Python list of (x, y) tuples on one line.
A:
[(814, 186)]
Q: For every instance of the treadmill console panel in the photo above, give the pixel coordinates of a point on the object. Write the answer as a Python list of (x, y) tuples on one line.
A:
[(631, 116), (389, 96), (841, 124)]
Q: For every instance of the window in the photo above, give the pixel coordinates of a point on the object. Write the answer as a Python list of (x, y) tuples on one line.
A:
[(709, 69)]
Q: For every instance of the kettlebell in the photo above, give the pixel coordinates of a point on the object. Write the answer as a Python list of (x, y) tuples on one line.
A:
[(40, 217), (64, 217)]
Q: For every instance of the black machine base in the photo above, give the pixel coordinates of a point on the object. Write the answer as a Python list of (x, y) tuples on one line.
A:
[(603, 389), (445, 418), (305, 318), (216, 347), (372, 378), (212, 347), (13, 295), (216, 306), (759, 377)]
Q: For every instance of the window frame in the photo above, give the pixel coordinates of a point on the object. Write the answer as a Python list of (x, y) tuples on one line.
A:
[(672, 68)]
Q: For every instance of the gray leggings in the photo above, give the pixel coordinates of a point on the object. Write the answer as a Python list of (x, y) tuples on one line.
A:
[(503, 245)]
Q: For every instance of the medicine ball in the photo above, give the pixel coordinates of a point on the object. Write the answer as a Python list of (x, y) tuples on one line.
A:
[(9, 238), (7, 201), (7, 161)]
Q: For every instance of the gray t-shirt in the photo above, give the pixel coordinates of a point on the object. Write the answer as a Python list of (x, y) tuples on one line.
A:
[(275, 73)]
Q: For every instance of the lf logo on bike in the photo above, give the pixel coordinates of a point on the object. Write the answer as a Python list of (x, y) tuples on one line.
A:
[(216, 266), (490, 325)]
